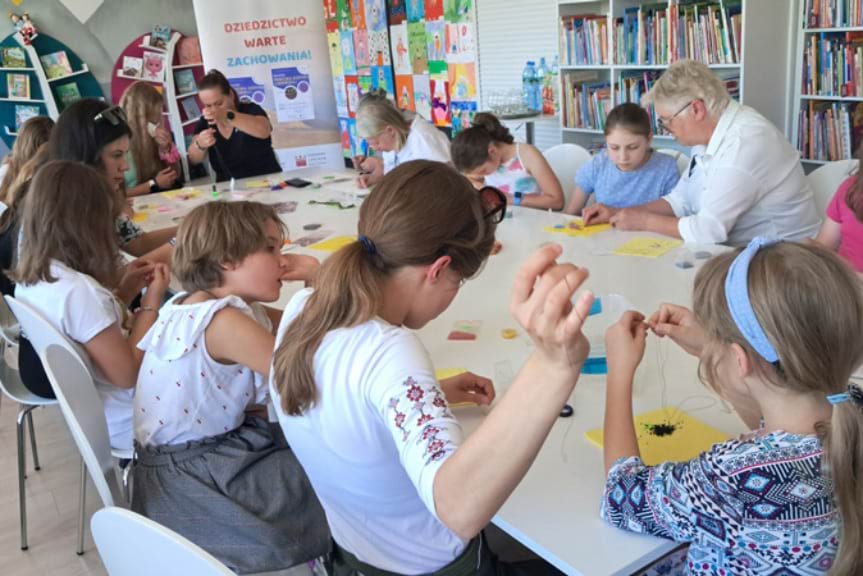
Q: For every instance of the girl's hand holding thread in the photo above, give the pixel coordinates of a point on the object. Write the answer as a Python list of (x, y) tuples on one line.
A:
[(541, 303), (679, 324), (158, 285), (597, 214), (468, 387), (135, 277), (624, 343)]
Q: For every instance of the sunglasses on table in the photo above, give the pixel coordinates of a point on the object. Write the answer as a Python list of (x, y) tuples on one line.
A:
[(114, 116), (494, 202)]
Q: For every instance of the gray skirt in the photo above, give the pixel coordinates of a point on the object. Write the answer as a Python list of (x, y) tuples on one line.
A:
[(241, 496)]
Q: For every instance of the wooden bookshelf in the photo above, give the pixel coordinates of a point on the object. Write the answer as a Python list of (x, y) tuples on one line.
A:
[(642, 37), (828, 85)]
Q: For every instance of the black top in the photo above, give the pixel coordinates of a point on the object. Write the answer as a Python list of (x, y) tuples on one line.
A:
[(241, 155)]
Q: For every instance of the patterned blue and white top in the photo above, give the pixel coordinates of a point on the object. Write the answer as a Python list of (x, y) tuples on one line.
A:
[(755, 506)]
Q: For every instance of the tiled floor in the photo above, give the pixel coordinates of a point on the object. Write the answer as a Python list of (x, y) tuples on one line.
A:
[(52, 501)]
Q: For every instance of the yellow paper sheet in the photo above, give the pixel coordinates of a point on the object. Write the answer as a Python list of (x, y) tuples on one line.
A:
[(576, 228), (647, 247), (256, 184), (184, 193), (334, 243), (690, 438), (140, 217), (443, 374)]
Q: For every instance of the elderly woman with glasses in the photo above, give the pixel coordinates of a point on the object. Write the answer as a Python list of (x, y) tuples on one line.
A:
[(744, 179)]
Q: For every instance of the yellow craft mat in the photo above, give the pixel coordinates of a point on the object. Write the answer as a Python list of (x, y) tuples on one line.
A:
[(690, 438), (647, 247), (185, 193), (576, 228), (443, 374), (334, 243)]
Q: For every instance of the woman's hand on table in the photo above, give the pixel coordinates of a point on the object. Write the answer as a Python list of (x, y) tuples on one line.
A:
[(468, 387)]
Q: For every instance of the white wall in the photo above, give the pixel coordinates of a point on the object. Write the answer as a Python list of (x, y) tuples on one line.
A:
[(510, 33)]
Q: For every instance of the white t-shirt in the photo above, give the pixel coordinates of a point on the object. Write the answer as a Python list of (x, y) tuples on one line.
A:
[(81, 308), (424, 142), (373, 443), (748, 182), (182, 393)]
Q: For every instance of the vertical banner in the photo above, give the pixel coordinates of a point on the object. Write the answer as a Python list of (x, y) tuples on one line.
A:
[(275, 54)]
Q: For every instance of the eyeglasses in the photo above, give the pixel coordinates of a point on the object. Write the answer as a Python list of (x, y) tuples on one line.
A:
[(495, 203), (664, 123), (114, 116)]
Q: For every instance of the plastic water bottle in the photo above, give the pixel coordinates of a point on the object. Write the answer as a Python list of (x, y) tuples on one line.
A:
[(555, 85), (543, 75), (548, 80), (528, 85)]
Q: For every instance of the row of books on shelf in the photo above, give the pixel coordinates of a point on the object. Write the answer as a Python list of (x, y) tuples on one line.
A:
[(710, 32), (18, 88), (833, 13), (584, 40), (152, 67), (829, 131), (587, 98), (55, 64), (833, 64)]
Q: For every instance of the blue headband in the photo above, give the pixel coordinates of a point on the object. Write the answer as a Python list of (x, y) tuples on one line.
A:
[(737, 297)]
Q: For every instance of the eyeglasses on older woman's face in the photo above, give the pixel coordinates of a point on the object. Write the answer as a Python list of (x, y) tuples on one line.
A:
[(665, 123)]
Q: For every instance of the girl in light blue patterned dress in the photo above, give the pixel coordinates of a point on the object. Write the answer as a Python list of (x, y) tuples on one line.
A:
[(627, 172), (776, 327)]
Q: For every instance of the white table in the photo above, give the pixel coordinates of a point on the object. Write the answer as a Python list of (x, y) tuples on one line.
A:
[(554, 510)]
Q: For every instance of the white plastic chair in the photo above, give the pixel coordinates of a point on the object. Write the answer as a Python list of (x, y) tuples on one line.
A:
[(42, 334), (827, 178), (132, 545), (12, 387), (565, 160), (682, 159)]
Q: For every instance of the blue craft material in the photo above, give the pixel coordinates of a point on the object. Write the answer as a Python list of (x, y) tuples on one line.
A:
[(595, 366), (596, 307)]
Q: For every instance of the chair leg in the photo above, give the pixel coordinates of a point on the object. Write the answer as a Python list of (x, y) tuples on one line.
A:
[(22, 465), (33, 441), (82, 509)]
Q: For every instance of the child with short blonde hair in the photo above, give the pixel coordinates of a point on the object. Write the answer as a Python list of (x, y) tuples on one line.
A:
[(201, 451)]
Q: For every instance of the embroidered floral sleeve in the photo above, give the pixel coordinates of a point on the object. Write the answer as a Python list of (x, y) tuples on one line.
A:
[(127, 230), (424, 430)]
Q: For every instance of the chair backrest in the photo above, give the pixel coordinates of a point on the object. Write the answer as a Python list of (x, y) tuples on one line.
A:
[(827, 178), (682, 159), (82, 408), (132, 545), (39, 331), (565, 160)]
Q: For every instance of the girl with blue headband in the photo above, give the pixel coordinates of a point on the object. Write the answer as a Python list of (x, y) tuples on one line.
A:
[(777, 330)]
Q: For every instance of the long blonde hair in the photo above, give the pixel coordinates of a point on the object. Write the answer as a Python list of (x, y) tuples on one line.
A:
[(68, 215), (33, 134), (420, 211), (810, 305), (141, 101)]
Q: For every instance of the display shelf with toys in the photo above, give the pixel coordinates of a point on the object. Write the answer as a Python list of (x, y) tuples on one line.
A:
[(171, 62), (42, 76), (612, 51)]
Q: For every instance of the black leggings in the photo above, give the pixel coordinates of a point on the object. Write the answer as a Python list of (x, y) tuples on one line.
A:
[(30, 368)]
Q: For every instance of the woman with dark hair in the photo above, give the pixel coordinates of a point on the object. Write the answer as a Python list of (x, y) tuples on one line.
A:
[(234, 135), (92, 132)]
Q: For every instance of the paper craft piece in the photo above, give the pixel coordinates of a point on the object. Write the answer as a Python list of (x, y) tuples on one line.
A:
[(285, 207), (312, 238), (575, 228), (464, 330), (140, 217), (164, 209), (647, 247), (508, 333), (443, 374), (249, 185), (182, 194), (333, 244), (667, 435)]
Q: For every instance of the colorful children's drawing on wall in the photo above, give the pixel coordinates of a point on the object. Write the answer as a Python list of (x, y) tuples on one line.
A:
[(462, 81), (418, 47), (405, 92), (435, 38), (462, 115), (361, 48), (334, 43), (422, 96), (349, 63), (440, 102), (344, 14), (353, 90), (433, 9), (346, 135), (416, 10), (376, 17), (397, 11), (358, 14)]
